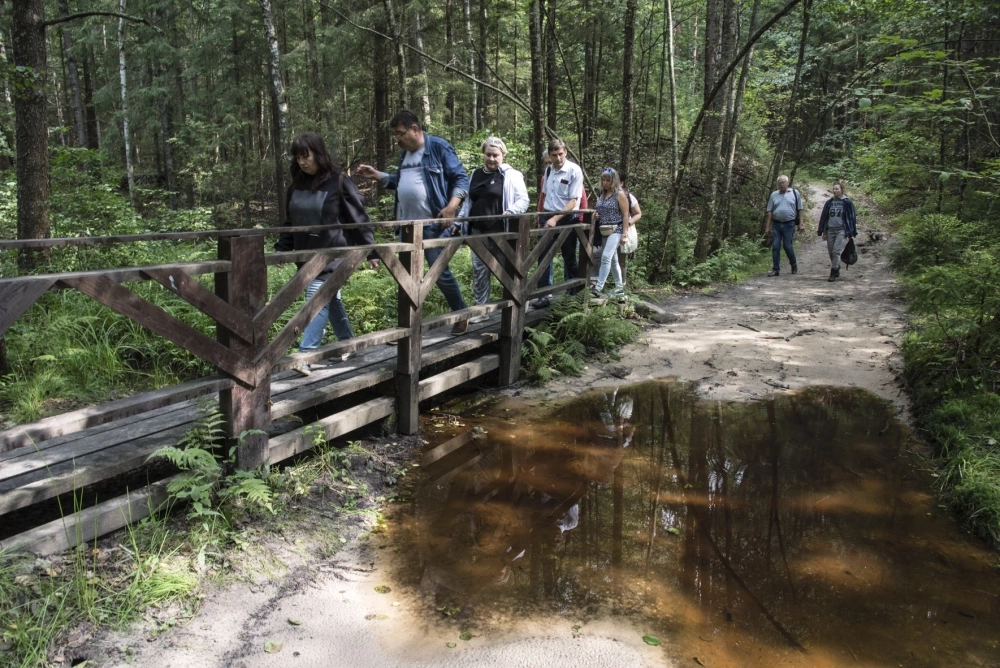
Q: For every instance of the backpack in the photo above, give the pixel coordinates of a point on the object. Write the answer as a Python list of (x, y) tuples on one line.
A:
[(798, 207)]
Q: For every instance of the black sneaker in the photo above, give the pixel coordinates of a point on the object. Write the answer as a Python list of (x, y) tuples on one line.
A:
[(833, 276), (795, 269), (774, 272)]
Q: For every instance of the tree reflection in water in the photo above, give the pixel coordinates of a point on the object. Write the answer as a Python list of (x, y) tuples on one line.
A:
[(777, 525)]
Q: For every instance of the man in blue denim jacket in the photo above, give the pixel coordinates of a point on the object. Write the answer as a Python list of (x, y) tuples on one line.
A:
[(431, 183)]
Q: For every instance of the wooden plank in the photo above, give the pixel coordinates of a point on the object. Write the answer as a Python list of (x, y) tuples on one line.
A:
[(266, 360), (452, 317), (486, 256), (510, 255), (291, 291), (30, 460), (340, 348), (440, 265), (285, 257), (292, 443), (126, 274), (558, 287), (309, 396), (463, 373), (17, 296), (67, 476), (406, 282), (86, 525), (134, 307), (456, 346), (67, 423), (203, 299)]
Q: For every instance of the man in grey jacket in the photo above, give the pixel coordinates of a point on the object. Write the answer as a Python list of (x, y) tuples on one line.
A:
[(784, 215)]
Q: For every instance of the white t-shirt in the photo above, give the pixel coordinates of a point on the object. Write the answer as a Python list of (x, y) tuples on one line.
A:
[(562, 186), (411, 191)]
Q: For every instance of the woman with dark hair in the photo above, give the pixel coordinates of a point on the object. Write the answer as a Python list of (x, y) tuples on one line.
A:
[(320, 194)]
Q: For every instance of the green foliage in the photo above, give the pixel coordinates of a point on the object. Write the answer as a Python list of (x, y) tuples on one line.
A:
[(573, 329), (213, 494), (950, 272), (735, 260)]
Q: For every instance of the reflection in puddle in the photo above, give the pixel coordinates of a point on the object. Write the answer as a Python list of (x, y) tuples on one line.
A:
[(786, 532)]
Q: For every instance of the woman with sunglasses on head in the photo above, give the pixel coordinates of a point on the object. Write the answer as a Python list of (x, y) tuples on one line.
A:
[(614, 219)]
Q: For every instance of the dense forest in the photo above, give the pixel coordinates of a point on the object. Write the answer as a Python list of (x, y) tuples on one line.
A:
[(120, 116)]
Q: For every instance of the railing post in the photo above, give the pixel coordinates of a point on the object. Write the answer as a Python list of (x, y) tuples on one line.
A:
[(245, 287), (512, 320), (408, 349), (585, 266)]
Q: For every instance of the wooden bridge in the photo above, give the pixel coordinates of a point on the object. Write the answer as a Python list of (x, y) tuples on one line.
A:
[(255, 383)]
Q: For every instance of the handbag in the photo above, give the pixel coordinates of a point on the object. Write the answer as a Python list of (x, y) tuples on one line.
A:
[(850, 253), (631, 241)]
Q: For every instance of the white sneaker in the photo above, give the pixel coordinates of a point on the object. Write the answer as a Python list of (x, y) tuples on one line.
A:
[(303, 370), (479, 318)]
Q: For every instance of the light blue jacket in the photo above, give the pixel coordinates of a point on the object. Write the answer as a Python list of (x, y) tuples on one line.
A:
[(444, 176)]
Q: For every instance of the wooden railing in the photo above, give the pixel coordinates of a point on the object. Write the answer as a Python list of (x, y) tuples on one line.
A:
[(242, 351)]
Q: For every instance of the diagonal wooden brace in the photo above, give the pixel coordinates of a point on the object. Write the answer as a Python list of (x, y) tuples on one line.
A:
[(17, 295), (190, 290), (399, 272), (134, 307), (543, 264), (480, 248), (432, 276)]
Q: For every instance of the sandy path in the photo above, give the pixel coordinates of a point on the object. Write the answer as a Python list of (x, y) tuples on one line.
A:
[(775, 334), (739, 343)]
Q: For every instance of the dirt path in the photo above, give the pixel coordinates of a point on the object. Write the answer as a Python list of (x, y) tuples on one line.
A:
[(740, 343), (778, 334)]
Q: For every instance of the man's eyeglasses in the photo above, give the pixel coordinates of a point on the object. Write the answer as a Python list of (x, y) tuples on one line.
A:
[(399, 133)]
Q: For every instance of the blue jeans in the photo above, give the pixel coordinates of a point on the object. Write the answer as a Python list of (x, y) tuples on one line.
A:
[(781, 235), (448, 284), (333, 312), (569, 254)]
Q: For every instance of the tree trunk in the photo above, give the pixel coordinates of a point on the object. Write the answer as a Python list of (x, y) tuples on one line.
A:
[(93, 124), (474, 111), (537, 101), (279, 109), (79, 129), (450, 41), (628, 92), (30, 126), (734, 122), (382, 113), (397, 39), (483, 105), (425, 93), (551, 78), (787, 129), (126, 132), (316, 87), (588, 77)]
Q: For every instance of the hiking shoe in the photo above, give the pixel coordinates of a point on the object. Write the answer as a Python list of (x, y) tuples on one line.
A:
[(303, 370), (619, 294), (479, 318), (833, 276), (596, 293), (774, 272), (460, 328), (795, 269), (541, 302)]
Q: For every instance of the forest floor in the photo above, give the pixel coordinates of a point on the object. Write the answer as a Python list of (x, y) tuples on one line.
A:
[(738, 343)]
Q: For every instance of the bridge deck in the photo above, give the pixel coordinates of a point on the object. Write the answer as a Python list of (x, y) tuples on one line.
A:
[(37, 472)]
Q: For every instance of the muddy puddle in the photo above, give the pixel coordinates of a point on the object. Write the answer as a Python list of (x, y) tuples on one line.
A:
[(799, 531)]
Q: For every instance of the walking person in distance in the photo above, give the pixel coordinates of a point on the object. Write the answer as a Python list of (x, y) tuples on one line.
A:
[(784, 215)]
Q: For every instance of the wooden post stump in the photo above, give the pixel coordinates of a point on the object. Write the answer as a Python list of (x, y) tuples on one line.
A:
[(410, 315), (512, 318), (245, 406)]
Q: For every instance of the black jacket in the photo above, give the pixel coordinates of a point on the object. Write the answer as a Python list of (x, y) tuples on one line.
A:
[(337, 201)]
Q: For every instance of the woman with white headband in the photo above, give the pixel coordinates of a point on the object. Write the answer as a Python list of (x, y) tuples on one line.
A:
[(495, 189)]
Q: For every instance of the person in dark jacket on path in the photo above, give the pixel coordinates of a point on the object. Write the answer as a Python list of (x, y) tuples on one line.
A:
[(431, 183), (837, 224), (320, 194)]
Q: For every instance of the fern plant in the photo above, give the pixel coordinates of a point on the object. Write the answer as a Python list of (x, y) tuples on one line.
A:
[(213, 493)]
